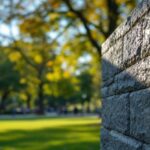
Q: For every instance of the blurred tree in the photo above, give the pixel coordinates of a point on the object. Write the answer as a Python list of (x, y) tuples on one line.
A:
[(10, 81), (47, 39), (86, 89), (93, 21)]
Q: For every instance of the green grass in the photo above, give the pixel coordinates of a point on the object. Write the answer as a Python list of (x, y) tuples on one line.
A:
[(50, 134)]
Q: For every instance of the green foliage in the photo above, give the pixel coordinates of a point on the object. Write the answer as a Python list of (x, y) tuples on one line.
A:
[(53, 37)]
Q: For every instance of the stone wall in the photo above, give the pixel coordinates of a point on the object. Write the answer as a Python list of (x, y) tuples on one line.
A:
[(126, 84)]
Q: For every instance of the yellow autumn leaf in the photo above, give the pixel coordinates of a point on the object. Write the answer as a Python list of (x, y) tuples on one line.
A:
[(70, 14), (15, 56), (66, 74), (38, 59), (47, 89), (23, 96), (22, 80), (100, 3), (120, 1), (54, 16), (54, 3), (49, 76), (49, 64)]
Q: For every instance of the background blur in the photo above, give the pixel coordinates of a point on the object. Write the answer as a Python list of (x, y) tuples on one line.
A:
[(50, 71), (50, 53)]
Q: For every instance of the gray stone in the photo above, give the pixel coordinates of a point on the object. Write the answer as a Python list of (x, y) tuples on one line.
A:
[(132, 45), (108, 43), (140, 115), (115, 113), (104, 92), (112, 61), (134, 78), (136, 14), (146, 147), (139, 11), (140, 72), (126, 84), (146, 36), (108, 82), (112, 140), (108, 70)]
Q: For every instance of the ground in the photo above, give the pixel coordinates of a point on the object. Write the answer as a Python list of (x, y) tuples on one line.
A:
[(72, 133)]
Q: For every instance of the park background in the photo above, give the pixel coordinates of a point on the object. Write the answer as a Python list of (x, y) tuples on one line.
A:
[(50, 71)]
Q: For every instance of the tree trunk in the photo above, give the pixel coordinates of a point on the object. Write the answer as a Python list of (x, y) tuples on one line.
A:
[(28, 104), (3, 101), (40, 100), (112, 16)]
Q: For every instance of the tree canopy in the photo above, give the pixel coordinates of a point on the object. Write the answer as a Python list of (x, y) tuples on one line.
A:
[(53, 48)]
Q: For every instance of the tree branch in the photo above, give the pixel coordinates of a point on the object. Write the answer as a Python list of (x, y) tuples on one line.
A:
[(85, 24)]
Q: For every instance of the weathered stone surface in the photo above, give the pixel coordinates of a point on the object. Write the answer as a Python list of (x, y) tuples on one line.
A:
[(126, 84), (112, 57), (146, 36), (104, 92), (127, 25), (134, 78), (139, 11), (146, 147), (108, 82), (112, 140), (132, 45), (109, 70), (116, 113), (140, 115), (108, 43)]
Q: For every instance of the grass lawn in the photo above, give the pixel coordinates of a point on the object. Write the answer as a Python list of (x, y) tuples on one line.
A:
[(50, 134)]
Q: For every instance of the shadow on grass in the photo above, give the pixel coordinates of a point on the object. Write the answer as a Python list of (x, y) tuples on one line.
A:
[(77, 137)]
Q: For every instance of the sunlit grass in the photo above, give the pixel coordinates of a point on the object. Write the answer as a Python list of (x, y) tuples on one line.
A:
[(50, 134)]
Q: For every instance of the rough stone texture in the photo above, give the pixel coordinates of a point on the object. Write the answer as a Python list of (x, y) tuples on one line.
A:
[(140, 114), (146, 36), (126, 84), (112, 140), (146, 147), (132, 45), (116, 113), (133, 78), (138, 13), (114, 55)]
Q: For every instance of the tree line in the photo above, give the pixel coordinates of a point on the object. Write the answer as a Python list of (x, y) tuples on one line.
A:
[(50, 52)]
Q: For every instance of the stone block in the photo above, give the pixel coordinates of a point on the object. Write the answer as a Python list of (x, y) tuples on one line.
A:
[(146, 36), (107, 82), (140, 115), (139, 11), (134, 78), (132, 45), (146, 147), (112, 140), (127, 25), (112, 61), (115, 113), (108, 70)]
